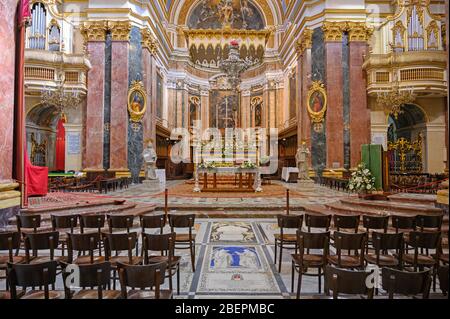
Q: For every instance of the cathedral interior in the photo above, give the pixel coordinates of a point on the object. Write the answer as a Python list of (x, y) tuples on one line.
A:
[(105, 105)]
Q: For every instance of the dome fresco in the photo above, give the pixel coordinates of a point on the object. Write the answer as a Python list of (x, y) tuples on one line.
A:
[(214, 14)]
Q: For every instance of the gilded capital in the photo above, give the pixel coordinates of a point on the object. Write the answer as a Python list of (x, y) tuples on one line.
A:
[(94, 31), (359, 32), (333, 31), (305, 41), (149, 42), (120, 30)]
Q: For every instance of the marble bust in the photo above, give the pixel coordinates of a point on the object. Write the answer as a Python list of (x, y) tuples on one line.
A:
[(150, 158), (302, 161)]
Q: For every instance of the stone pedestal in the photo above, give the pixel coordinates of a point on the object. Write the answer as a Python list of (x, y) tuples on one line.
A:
[(152, 185), (305, 184)]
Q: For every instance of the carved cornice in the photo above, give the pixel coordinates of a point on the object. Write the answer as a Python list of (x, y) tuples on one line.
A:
[(120, 30), (94, 31), (305, 41), (333, 31), (359, 32), (149, 42)]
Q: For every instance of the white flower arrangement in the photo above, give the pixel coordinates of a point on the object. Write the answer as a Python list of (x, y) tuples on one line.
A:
[(248, 165), (361, 180), (207, 165)]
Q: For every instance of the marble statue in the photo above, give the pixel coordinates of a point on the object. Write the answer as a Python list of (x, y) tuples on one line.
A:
[(302, 161), (150, 158)]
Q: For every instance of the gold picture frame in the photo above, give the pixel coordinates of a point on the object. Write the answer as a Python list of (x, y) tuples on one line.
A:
[(137, 101), (317, 102)]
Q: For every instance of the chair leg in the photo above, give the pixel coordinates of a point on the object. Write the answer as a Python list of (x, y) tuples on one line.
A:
[(281, 256), (320, 280), (434, 278), (178, 280), (275, 257), (299, 282), (191, 248), (170, 279), (292, 276)]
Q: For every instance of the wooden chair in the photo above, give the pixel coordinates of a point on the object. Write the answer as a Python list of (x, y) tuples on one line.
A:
[(92, 276), (47, 241), (93, 221), (379, 223), (429, 222), (81, 243), (443, 257), (142, 277), (406, 283), (382, 244), (304, 260), (288, 241), (349, 222), (165, 245), (116, 243), (318, 221), (63, 224), (443, 279), (9, 241), (156, 221), (424, 241), (350, 282), (403, 223), (184, 241), (120, 222), (27, 222), (34, 275), (350, 242)]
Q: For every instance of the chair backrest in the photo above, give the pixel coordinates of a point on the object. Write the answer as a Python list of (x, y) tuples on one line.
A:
[(161, 242), (95, 275), (443, 278), (153, 221), (407, 283), (64, 222), (142, 276), (317, 221), (430, 240), (82, 242), (120, 242), (92, 221), (41, 241), (25, 220), (350, 241), (9, 240), (120, 221), (308, 240), (376, 222), (429, 221), (403, 222), (387, 241), (342, 281), (181, 221), (290, 221), (346, 222), (32, 275)]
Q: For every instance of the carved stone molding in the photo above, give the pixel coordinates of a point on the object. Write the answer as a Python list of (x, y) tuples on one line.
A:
[(94, 31), (333, 31), (305, 41), (120, 30), (149, 42), (359, 32)]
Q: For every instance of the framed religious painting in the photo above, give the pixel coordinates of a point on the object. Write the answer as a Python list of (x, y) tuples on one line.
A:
[(137, 101), (317, 104)]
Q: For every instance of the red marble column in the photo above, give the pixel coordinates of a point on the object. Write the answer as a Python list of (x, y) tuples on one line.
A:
[(149, 118), (93, 148), (305, 82), (359, 112), (335, 115), (119, 103), (7, 67)]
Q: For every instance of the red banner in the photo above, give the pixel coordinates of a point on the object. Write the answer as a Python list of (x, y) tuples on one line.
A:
[(24, 12)]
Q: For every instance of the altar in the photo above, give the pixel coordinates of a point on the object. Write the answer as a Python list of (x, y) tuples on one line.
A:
[(232, 179)]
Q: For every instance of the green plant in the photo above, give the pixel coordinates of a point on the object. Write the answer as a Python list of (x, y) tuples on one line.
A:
[(248, 165), (361, 180)]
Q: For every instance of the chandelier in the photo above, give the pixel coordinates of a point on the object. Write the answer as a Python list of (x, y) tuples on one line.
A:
[(233, 66), (394, 100)]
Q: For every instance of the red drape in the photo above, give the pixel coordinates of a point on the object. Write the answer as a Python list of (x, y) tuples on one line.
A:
[(60, 146), (36, 178)]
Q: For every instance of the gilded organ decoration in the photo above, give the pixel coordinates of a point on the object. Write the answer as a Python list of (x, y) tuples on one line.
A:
[(432, 36), (137, 101), (317, 102), (399, 37)]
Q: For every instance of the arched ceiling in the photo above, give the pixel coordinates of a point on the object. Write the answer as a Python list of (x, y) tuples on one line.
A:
[(272, 11)]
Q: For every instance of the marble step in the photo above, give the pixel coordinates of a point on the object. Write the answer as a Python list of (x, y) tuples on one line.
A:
[(387, 206), (424, 199)]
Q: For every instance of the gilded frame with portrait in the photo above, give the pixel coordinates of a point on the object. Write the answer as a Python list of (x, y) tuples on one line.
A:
[(137, 101), (317, 102)]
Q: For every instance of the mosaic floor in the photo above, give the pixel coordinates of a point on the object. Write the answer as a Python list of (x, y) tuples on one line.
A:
[(234, 259)]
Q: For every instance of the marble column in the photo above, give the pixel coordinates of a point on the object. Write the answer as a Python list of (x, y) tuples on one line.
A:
[(93, 148), (149, 50), (205, 108), (335, 113), (7, 67), (246, 109), (303, 119), (359, 112)]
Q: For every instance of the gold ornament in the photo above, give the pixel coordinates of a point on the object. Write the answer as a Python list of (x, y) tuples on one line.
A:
[(137, 101), (317, 102)]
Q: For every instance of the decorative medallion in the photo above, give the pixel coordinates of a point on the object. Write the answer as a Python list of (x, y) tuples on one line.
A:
[(137, 101), (317, 102)]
